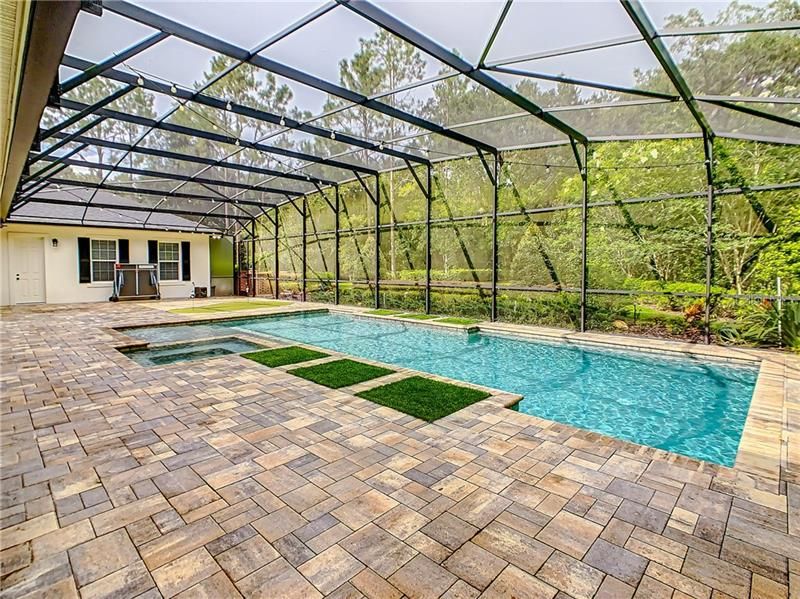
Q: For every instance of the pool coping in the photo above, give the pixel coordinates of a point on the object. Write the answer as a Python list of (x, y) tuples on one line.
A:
[(762, 452)]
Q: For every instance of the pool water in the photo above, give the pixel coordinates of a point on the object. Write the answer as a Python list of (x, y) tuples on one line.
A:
[(686, 405), (184, 352)]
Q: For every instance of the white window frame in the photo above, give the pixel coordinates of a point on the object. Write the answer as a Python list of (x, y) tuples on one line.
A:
[(92, 260), (179, 273)]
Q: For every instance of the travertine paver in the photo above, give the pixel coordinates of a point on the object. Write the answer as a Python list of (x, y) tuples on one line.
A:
[(223, 478)]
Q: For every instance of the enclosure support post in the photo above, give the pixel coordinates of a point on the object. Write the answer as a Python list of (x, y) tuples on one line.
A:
[(377, 240), (584, 218), (495, 198), (253, 255), (428, 200), (708, 149), (336, 247), (236, 263), (303, 254), (277, 261)]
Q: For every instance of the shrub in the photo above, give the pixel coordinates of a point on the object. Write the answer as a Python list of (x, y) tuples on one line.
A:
[(760, 327)]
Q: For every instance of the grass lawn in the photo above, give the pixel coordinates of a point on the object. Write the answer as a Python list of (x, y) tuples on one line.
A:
[(418, 316), (384, 312), (283, 356), (424, 398), (648, 314), (340, 373), (229, 307), (458, 320)]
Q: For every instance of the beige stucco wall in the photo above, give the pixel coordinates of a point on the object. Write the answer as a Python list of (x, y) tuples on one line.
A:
[(61, 263)]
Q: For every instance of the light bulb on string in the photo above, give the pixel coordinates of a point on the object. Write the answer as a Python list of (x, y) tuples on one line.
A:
[(380, 146), (236, 142), (173, 89), (333, 135), (228, 106), (140, 80), (283, 122), (547, 168)]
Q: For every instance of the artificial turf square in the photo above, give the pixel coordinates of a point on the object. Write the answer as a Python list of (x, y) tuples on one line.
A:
[(418, 316), (459, 320), (283, 356), (340, 373), (424, 398), (228, 307)]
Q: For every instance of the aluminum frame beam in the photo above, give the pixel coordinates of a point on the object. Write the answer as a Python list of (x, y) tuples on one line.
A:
[(217, 137), (174, 177), (641, 19), (93, 141), (84, 111), (402, 30), (64, 139), (43, 220), (136, 13), (754, 112), (582, 82), (150, 192), (247, 111), (93, 70), (144, 209)]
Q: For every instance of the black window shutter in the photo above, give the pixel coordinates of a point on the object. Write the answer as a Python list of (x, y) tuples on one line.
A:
[(84, 260), (124, 251), (186, 261), (152, 251)]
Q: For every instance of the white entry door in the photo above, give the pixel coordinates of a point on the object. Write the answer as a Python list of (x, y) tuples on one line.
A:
[(27, 269)]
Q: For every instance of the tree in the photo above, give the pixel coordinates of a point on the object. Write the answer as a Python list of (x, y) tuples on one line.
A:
[(136, 102), (382, 63)]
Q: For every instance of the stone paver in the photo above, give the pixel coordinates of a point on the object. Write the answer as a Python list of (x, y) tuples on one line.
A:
[(222, 478)]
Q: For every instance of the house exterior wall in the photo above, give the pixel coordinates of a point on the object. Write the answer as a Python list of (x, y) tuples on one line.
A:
[(61, 263)]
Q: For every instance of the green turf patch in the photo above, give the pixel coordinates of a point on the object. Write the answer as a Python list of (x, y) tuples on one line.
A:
[(424, 398), (340, 373), (458, 320), (418, 316), (283, 356), (384, 312), (228, 307)]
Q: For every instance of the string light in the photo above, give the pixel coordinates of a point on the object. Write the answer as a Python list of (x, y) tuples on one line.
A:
[(333, 135), (283, 122), (236, 142), (380, 146), (547, 168), (228, 106), (173, 89), (140, 80)]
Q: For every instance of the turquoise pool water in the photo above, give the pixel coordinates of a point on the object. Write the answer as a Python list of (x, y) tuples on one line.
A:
[(674, 402)]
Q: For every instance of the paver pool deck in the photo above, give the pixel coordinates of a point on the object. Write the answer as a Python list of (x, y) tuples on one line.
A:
[(222, 478)]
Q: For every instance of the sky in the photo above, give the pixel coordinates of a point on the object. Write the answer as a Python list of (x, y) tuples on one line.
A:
[(530, 27)]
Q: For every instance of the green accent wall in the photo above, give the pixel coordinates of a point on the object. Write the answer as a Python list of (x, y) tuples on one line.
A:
[(221, 257)]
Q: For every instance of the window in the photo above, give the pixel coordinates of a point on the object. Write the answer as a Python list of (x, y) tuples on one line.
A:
[(104, 256), (169, 257)]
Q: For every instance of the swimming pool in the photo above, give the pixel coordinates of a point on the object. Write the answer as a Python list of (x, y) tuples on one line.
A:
[(690, 406)]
